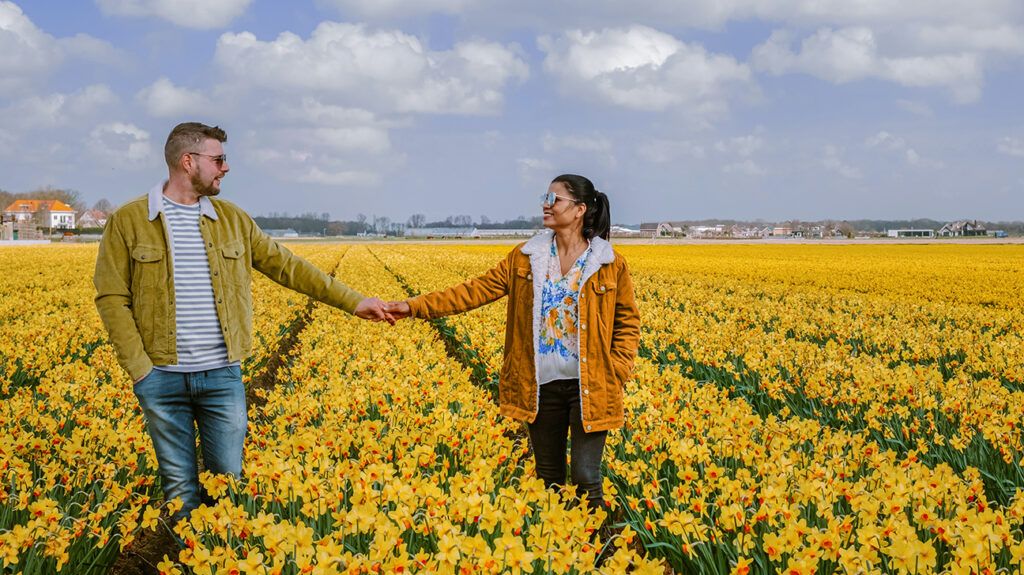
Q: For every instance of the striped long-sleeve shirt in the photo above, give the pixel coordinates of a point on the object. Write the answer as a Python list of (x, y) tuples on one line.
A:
[(200, 342)]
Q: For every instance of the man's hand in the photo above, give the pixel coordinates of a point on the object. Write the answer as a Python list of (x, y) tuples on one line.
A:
[(398, 309), (373, 309)]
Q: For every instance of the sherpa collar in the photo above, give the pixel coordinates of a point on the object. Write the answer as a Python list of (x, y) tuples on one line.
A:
[(156, 203)]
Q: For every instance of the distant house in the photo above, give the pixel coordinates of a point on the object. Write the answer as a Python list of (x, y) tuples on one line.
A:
[(92, 219), (503, 233), (624, 232), (45, 213), (432, 233), (285, 233), (659, 230), (783, 231), (738, 231), (707, 231), (910, 233), (962, 229)]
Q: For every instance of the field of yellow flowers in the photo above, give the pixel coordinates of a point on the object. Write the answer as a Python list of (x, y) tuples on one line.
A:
[(797, 409)]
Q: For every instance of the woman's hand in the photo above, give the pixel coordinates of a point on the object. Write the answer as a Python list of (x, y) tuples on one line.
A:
[(398, 309)]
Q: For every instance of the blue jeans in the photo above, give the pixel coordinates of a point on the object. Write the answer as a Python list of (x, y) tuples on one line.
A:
[(174, 405)]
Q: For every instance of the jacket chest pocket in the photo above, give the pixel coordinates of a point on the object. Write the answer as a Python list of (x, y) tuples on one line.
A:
[(148, 266), (522, 282), (602, 301), (234, 263)]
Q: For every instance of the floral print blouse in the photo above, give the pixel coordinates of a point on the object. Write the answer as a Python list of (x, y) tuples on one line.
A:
[(558, 345)]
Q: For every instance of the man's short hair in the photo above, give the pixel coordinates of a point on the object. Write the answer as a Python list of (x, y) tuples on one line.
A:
[(188, 137)]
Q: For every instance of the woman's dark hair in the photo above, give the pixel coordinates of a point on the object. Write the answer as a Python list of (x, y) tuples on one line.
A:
[(597, 220)]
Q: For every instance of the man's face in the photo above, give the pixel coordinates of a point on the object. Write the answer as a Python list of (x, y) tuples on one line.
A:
[(208, 166)]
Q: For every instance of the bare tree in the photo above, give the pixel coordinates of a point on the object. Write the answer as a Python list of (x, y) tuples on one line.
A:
[(70, 197), (417, 220), (103, 205)]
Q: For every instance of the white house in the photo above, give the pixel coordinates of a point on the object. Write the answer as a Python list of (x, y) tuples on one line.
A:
[(46, 213)]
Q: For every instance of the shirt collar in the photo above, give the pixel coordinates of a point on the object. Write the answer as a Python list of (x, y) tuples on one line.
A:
[(156, 203)]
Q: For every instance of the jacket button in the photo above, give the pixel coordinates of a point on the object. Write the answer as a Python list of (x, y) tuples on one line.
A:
[(210, 244), (215, 273), (529, 276), (583, 359), (586, 392), (588, 428), (583, 326), (142, 257)]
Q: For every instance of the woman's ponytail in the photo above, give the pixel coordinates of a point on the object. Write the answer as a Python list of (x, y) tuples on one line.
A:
[(597, 220)]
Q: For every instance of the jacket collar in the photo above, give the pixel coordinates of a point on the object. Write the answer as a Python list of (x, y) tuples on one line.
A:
[(156, 203), (601, 252)]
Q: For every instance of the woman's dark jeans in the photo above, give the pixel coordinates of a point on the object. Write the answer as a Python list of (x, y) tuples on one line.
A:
[(559, 410)]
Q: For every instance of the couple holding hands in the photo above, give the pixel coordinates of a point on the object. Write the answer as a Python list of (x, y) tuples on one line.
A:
[(173, 289)]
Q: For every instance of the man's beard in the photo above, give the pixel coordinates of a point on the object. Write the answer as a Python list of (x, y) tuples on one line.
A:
[(201, 188)]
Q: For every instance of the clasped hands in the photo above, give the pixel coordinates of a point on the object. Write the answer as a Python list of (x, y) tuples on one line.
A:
[(376, 309)]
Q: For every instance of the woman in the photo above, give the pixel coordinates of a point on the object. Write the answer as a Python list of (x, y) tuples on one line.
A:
[(572, 331)]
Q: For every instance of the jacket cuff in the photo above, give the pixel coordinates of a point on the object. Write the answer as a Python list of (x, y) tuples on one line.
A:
[(347, 299), (417, 308), (137, 369)]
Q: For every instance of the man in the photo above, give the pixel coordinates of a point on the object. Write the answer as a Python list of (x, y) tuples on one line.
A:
[(173, 290)]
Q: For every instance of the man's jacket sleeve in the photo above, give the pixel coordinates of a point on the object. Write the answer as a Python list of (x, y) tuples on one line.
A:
[(279, 264), (114, 301)]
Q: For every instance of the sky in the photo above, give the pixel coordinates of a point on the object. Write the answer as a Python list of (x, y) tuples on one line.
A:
[(693, 109)]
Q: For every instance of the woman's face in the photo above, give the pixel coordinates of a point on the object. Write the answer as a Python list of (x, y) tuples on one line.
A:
[(561, 211)]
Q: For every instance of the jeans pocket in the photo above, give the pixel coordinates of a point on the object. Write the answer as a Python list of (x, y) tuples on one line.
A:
[(137, 387)]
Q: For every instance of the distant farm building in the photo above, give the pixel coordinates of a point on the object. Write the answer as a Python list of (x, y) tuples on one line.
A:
[(910, 233)]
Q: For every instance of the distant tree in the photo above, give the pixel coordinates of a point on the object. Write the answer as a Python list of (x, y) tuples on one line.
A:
[(6, 199), (361, 218), (417, 220), (460, 221), (103, 205), (70, 197), (484, 220)]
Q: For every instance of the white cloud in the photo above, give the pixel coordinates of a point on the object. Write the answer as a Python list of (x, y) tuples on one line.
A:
[(916, 108), (1011, 147), (120, 143), (832, 161), (885, 140), (199, 14), (58, 109), (384, 70), (403, 8), (742, 146), (163, 99), (894, 144), (644, 69), (308, 141), (852, 54), (316, 175), (745, 167), (668, 151), (533, 169), (709, 14), (28, 54), (583, 143), (25, 50), (952, 38)]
